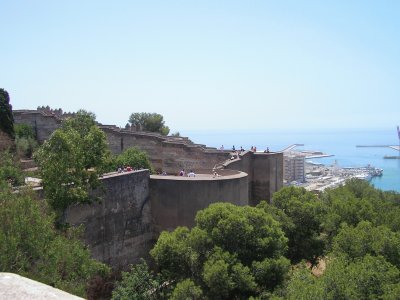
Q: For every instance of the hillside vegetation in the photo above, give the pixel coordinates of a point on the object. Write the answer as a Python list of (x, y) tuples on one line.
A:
[(343, 244)]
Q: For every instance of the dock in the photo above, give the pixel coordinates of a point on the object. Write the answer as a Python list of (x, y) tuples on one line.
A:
[(374, 146), (397, 148), (319, 156), (291, 147)]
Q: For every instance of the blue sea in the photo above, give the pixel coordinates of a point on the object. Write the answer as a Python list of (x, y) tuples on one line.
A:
[(340, 143)]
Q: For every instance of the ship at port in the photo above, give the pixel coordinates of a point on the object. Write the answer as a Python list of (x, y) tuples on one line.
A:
[(299, 170)]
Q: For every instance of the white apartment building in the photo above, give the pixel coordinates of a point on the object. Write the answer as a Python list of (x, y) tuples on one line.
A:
[(293, 167)]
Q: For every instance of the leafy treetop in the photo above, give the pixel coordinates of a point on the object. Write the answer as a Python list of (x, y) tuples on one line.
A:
[(232, 252), (152, 122), (31, 246), (72, 160), (6, 116)]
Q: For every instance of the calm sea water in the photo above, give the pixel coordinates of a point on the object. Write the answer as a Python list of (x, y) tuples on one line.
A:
[(340, 143)]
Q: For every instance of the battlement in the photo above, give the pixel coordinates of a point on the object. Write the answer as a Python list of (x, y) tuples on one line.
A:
[(46, 110), (170, 154), (136, 207), (167, 153)]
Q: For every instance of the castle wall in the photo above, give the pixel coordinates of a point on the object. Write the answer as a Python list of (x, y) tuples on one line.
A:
[(165, 155), (122, 228), (267, 176), (118, 229), (135, 207), (265, 173), (43, 125), (176, 200)]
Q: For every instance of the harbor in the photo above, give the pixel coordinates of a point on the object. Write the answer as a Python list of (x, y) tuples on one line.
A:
[(320, 177), (301, 171)]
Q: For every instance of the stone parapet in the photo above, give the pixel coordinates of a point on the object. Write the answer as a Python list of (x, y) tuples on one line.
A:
[(16, 287), (175, 200)]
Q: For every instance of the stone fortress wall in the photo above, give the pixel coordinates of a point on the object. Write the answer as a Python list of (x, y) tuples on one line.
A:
[(137, 206), (175, 200), (166, 153), (119, 229)]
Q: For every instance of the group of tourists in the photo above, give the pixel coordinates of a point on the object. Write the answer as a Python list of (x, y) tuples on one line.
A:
[(122, 169), (190, 174)]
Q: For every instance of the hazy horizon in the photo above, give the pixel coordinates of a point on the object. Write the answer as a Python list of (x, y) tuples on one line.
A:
[(207, 65)]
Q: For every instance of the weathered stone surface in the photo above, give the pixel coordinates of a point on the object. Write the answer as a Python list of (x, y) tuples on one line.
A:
[(118, 229), (265, 173), (16, 287), (168, 154), (123, 227), (43, 124), (176, 200)]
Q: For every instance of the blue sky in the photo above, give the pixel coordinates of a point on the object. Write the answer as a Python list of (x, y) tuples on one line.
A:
[(207, 64)]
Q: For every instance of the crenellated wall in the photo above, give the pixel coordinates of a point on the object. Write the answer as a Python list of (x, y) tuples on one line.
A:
[(135, 208), (43, 124), (169, 154)]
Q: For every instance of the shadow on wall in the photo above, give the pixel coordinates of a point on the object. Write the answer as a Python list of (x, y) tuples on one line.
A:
[(175, 200)]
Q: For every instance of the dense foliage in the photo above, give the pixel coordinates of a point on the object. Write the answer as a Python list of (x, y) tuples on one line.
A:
[(299, 213), (140, 283), (72, 160), (152, 122), (32, 247), (231, 252), (6, 116), (9, 169), (351, 235), (25, 140), (132, 157)]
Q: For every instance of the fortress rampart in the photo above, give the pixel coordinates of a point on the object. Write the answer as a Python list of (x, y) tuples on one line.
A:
[(175, 200), (136, 207), (169, 154), (118, 229)]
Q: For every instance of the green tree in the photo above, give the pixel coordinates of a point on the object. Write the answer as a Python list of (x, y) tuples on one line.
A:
[(138, 284), (226, 277), (356, 242), (72, 160), (6, 116), (25, 140), (364, 278), (176, 134), (187, 290), (299, 213), (30, 245), (132, 157), (355, 202), (228, 253), (24, 130), (10, 173), (152, 122)]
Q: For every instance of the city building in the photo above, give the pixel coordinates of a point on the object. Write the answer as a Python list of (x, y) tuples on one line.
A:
[(293, 167)]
